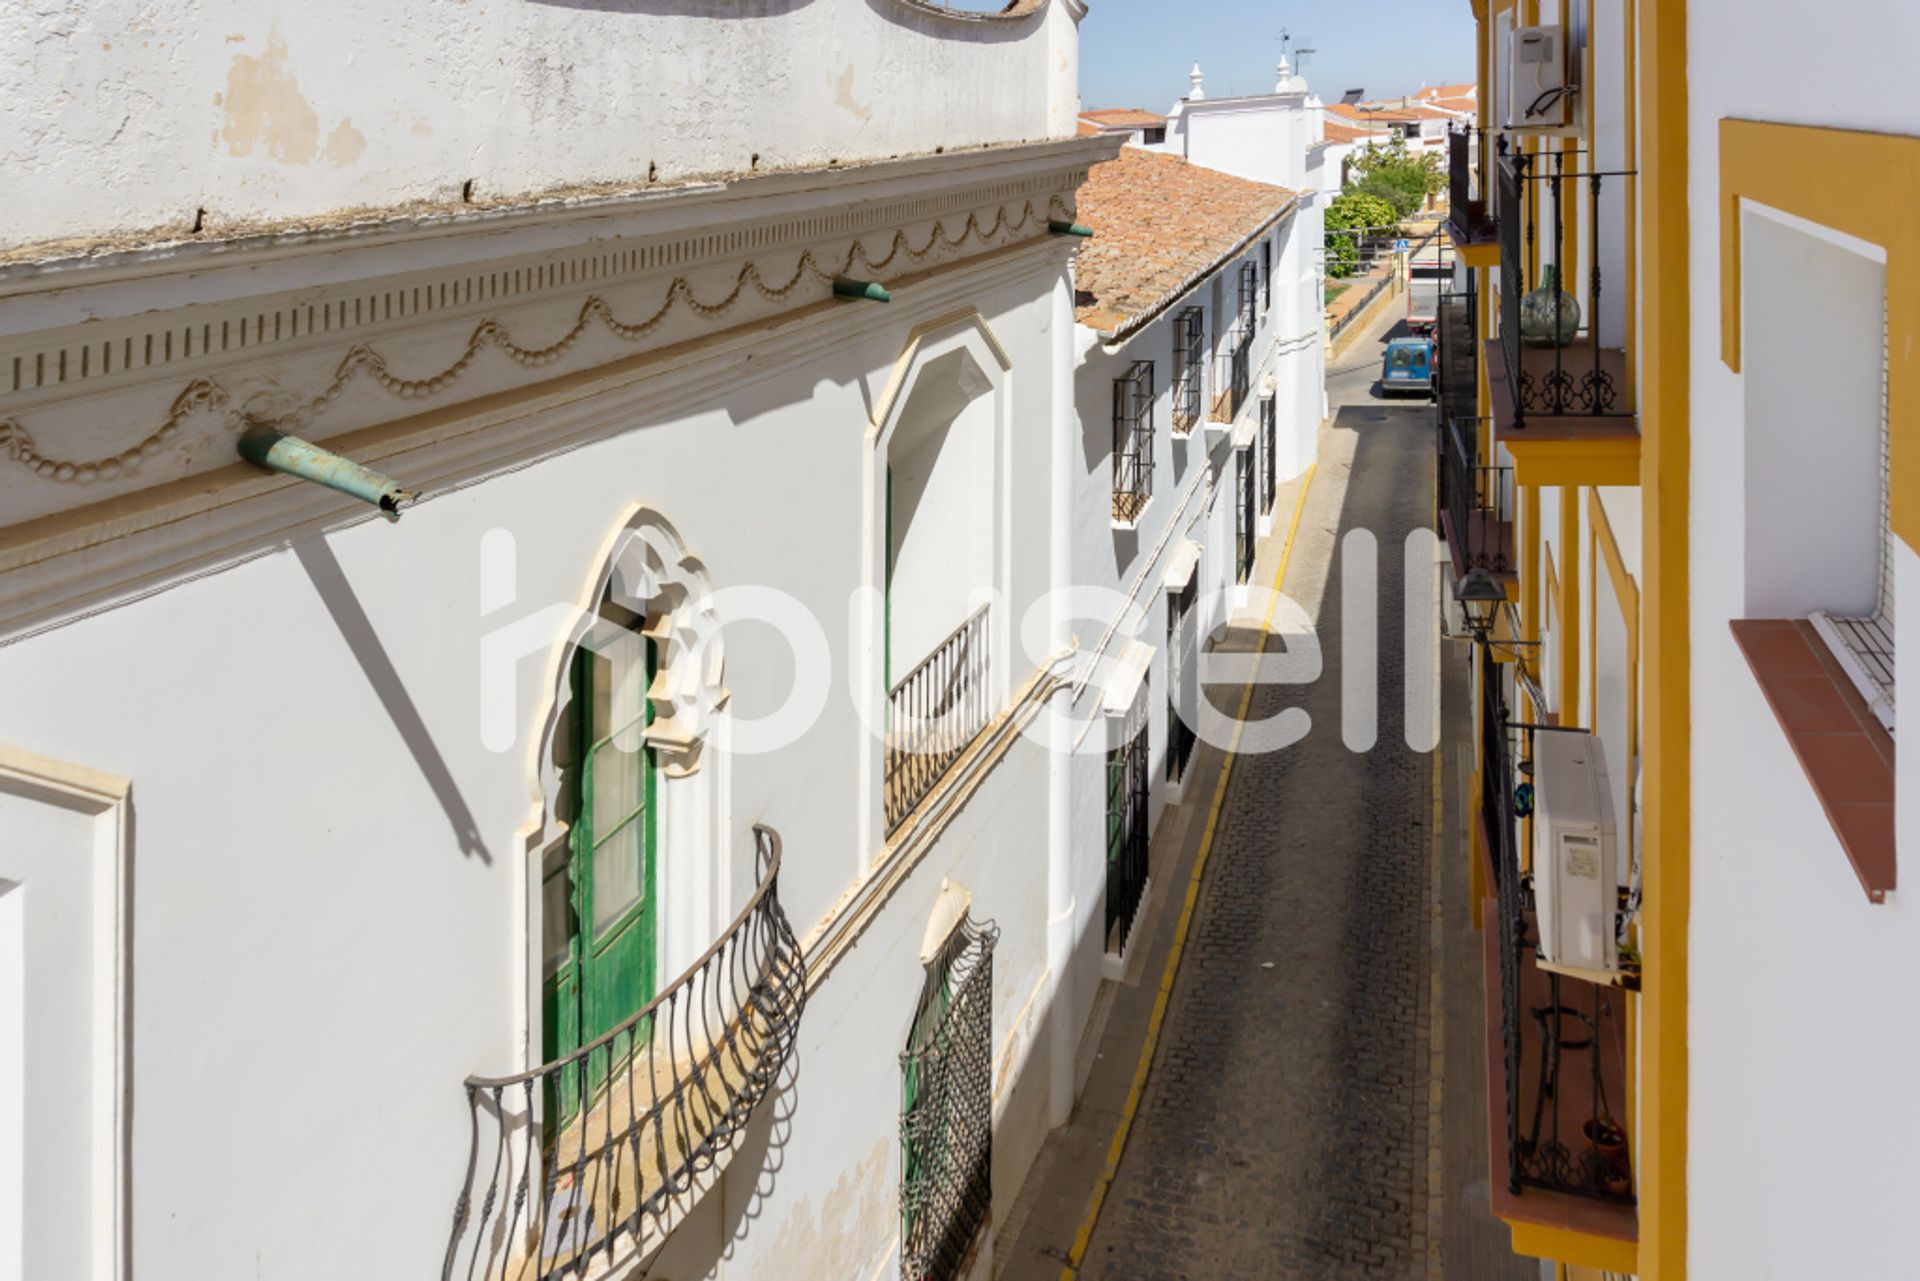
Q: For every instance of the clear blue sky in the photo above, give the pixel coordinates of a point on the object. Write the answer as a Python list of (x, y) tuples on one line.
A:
[(1136, 53)]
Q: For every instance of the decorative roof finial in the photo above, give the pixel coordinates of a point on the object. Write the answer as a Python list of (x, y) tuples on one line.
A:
[(1285, 82), (1198, 91)]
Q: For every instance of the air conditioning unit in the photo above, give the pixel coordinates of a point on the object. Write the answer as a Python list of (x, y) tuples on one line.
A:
[(1576, 861), (1538, 94)]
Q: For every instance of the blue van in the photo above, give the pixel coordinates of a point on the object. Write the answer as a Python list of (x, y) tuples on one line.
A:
[(1408, 366)]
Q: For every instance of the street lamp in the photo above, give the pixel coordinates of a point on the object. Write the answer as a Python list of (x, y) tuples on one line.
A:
[(1480, 599)]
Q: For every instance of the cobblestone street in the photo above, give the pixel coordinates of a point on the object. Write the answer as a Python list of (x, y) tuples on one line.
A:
[(1291, 1122)]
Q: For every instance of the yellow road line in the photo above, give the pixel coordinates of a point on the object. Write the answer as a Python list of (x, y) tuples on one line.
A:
[(1084, 1236)]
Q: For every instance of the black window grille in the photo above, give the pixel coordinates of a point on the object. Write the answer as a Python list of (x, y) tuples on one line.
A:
[(1126, 834), (1189, 358), (1182, 642), (1249, 293), (1133, 441), (1266, 275), (946, 1111), (1269, 442), (1243, 517)]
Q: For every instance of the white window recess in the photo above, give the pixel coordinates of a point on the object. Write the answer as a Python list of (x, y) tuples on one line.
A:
[(1863, 645)]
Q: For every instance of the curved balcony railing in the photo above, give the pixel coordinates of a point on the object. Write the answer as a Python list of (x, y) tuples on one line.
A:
[(678, 1083)]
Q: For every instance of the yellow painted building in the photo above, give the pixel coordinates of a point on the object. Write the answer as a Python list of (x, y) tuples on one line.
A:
[(1681, 375)]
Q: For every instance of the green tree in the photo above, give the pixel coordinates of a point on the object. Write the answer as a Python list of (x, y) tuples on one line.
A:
[(1391, 172), (1349, 217)]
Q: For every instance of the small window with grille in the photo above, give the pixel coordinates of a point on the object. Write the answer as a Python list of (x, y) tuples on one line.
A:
[(1266, 275), (1249, 294), (1863, 645), (1182, 691), (1269, 444), (946, 1110), (1126, 829), (1189, 357), (1132, 441), (1243, 516)]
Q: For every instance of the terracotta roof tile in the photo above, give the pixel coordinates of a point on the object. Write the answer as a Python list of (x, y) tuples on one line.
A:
[(1123, 118), (1341, 131), (1159, 222), (1433, 93)]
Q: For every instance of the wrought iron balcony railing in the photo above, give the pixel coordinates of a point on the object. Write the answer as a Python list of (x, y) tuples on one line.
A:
[(1233, 373), (1466, 194), (1576, 364), (554, 1192), (934, 713), (1457, 353), (1562, 1038), (1478, 501)]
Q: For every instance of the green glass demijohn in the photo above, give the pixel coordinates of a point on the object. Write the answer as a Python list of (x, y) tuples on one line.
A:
[(1540, 324)]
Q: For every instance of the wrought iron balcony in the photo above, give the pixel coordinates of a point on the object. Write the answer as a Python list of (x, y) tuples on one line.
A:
[(1558, 1073), (1469, 219), (1457, 353), (1563, 352), (934, 714), (1233, 373), (1476, 503), (552, 1191)]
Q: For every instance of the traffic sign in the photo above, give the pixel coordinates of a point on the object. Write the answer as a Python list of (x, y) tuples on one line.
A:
[(1401, 246)]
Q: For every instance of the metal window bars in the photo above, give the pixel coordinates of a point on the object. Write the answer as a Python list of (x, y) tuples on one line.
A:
[(1579, 378), (1266, 275), (1244, 545), (545, 1197), (1249, 295), (1562, 1133), (1126, 833), (946, 1114), (1182, 677), (934, 713), (1132, 441), (1189, 364), (1233, 373), (1269, 442)]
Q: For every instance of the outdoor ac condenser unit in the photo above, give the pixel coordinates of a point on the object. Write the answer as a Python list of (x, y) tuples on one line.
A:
[(1576, 865), (1537, 92)]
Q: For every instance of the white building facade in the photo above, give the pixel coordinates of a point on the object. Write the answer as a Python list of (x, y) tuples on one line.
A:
[(647, 851)]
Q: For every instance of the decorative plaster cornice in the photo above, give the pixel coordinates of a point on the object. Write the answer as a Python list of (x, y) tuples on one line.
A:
[(17, 444), (87, 558)]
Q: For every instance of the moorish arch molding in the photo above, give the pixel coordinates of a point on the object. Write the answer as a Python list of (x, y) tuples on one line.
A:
[(645, 567)]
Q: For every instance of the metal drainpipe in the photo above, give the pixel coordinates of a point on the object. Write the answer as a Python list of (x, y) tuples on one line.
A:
[(1060, 899)]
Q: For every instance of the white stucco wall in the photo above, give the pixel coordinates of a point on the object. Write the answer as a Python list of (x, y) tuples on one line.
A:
[(130, 116), (320, 962), (1801, 1008)]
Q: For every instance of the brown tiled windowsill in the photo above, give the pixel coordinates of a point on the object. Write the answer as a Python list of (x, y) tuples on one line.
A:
[(1846, 753)]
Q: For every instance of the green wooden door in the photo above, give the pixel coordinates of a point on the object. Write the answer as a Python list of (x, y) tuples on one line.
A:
[(608, 895)]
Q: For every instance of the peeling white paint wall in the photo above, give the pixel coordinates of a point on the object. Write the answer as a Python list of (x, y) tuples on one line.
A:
[(132, 116)]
